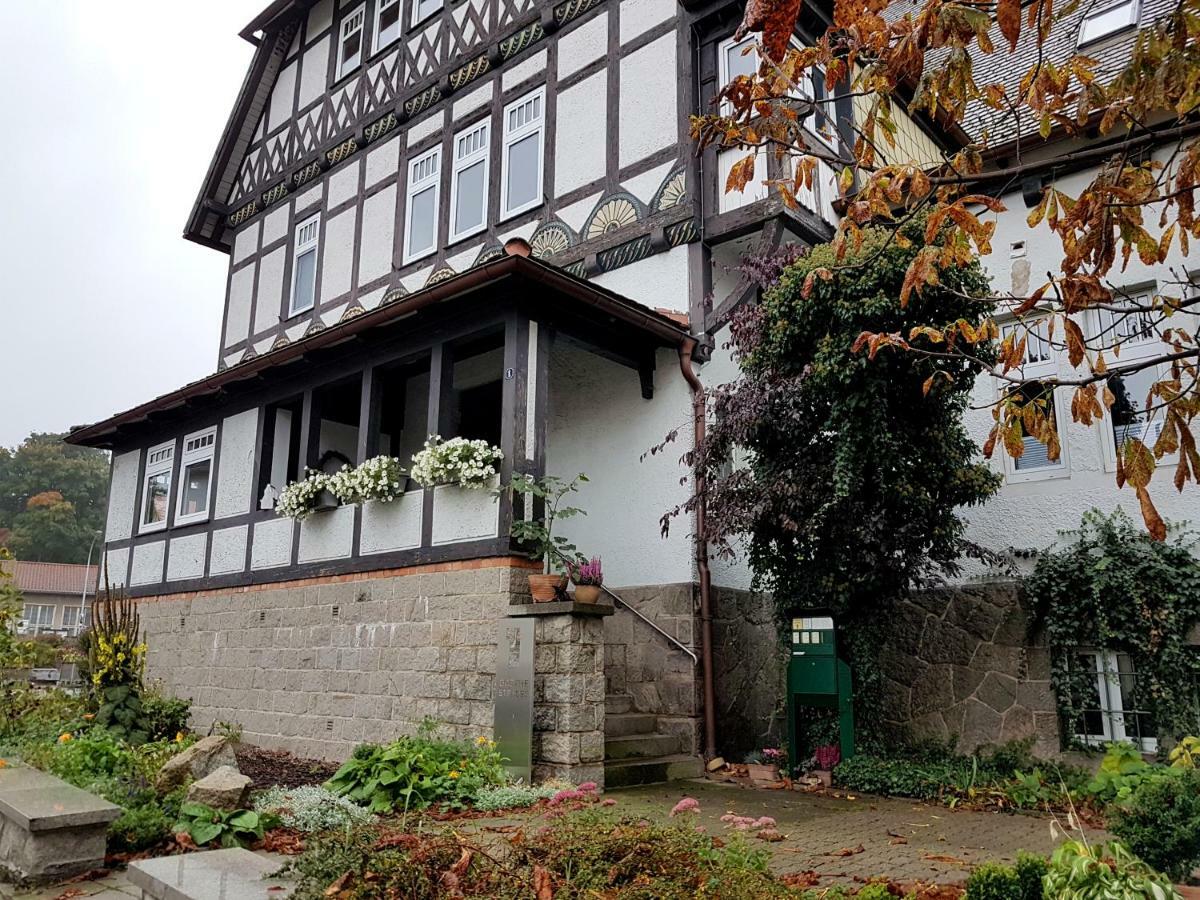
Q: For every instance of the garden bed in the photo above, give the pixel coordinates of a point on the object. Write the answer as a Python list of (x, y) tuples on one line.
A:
[(267, 768)]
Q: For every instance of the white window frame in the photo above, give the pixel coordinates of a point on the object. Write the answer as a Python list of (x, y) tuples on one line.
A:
[(197, 447), (307, 238), (354, 22), (31, 627), (417, 18), (1041, 361), (1132, 9), (382, 6), (430, 179), (160, 459), (480, 136), (1112, 712), (513, 136), (76, 618)]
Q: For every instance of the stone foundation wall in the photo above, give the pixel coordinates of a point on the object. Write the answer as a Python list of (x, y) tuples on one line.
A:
[(959, 663), (750, 671), (638, 661), (317, 666)]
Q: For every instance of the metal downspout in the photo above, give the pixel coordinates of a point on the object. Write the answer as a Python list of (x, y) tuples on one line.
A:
[(699, 415)]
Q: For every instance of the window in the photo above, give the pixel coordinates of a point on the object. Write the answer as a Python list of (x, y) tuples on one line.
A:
[(469, 182), (1105, 692), (1131, 327), (1038, 362), (156, 493), (521, 184), (304, 266), (1108, 20), (1132, 413), (281, 451), (420, 235), (387, 23), (423, 9), (38, 617), (350, 44), (76, 619), (195, 480)]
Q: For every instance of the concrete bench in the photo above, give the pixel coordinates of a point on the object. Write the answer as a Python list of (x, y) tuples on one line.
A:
[(233, 874), (49, 829)]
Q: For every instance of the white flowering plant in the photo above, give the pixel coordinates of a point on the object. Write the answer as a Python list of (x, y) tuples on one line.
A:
[(380, 478), (299, 498), (310, 808), (459, 461)]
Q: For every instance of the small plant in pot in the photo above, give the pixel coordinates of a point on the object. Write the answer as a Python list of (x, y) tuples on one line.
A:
[(763, 765), (588, 578), (548, 493)]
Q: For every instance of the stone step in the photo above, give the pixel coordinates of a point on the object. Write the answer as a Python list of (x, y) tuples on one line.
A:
[(630, 772), (641, 746), (208, 875), (622, 724), (617, 704)]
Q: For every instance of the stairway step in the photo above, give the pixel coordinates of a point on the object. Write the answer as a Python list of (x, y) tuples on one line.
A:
[(616, 704), (641, 746), (624, 724), (630, 772)]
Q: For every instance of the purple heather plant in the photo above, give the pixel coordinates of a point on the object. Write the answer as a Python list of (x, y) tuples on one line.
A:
[(588, 573)]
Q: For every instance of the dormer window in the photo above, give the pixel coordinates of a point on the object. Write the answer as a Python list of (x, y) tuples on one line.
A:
[(387, 23), (350, 44), (423, 9), (1108, 20), (304, 266)]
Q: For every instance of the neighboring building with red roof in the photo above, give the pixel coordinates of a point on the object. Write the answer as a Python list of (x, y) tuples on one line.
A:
[(58, 596)]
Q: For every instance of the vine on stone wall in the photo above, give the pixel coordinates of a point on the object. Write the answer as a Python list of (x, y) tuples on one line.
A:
[(1114, 588)]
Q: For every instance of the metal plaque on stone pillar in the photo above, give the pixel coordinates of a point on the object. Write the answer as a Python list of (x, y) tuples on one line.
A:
[(514, 697)]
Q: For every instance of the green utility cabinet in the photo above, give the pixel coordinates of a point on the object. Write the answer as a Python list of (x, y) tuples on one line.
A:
[(818, 678)]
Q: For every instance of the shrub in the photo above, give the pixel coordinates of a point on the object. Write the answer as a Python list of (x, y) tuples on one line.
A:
[(1031, 872), (1103, 870), (310, 808), (1120, 772), (1161, 821), (164, 717), (994, 881), (876, 891), (145, 825), (206, 825), (513, 796)]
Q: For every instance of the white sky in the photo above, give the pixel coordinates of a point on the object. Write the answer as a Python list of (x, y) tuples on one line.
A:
[(110, 114)]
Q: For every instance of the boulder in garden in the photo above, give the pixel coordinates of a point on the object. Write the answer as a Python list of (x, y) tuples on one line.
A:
[(226, 788), (205, 756)]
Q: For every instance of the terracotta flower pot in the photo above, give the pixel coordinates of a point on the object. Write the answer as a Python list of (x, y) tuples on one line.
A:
[(545, 588), (587, 593), (763, 772)]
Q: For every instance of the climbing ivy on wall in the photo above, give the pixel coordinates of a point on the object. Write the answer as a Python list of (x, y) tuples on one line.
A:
[(1110, 586)]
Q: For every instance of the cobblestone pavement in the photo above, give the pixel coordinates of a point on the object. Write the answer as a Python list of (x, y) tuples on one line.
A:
[(114, 886)]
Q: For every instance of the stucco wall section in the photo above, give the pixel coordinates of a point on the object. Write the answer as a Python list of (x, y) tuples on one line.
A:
[(527, 68), (378, 231), (327, 535), (638, 16), (246, 241), (313, 72), (185, 558), (337, 255), (583, 46), (147, 563), (228, 550), (272, 544), (122, 495), (580, 135), (270, 290), (116, 564), (275, 224), (298, 676), (649, 118), (392, 526), (343, 184), (383, 161), (460, 514), (660, 280), (283, 96), (235, 474), (241, 297)]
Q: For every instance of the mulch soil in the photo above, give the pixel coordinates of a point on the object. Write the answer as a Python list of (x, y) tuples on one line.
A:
[(270, 767)]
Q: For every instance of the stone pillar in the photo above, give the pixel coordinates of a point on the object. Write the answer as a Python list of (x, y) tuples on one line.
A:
[(568, 691)]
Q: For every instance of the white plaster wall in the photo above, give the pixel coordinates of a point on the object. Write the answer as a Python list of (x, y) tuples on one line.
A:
[(275, 224), (649, 117), (338, 255), (462, 514), (235, 471), (583, 46), (327, 535), (392, 526), (246, 241), (313, 72), (320, 17), (343, 184), (383, 161), (645, 185), (270, 290), (186, 556), (580, 135), (147, 563), (228, 550), (526, 69), (272, 544), (283, 95), (241, 296), (638, 16), (600, 425), (378, 231), (122, 495), (424, 128), (116, 564), (474, 100), (658, 281)]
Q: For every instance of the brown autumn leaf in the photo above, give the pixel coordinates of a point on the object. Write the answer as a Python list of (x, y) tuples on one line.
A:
[(1074, 338), (1008, 17), (1154, 522), (847, 851), (543, 889)]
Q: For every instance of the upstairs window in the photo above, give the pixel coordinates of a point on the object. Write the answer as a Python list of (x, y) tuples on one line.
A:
[(423, 9), (1109, 19), (156, 489), (387, 23), (1037, 363), (195, 480), (1131, 327), (420, 234), (350, 44), (304, 266), (1132, 413), (521, 181), (468, 184)]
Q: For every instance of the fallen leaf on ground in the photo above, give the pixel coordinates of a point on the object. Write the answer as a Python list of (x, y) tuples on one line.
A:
[(68, 893), (847, 851), (770, 835), (542, 887), (936, 857)]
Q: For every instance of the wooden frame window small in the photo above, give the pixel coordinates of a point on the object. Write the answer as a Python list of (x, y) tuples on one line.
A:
[(387, 23), (469, 181), (421, 205), (423, 9), (156, 487), (523, 154), (304, 266), (350, 41), (1039, 362), (195, 477)]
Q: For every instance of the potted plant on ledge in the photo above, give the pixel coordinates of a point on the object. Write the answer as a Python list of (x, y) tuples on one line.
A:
[(588, 579), (537, 533)]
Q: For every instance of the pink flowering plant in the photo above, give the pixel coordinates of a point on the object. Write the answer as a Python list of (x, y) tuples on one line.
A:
[(774, 756), (586, 573)]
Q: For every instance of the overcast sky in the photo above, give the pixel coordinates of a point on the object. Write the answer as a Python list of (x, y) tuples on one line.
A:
[(111, 112)]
